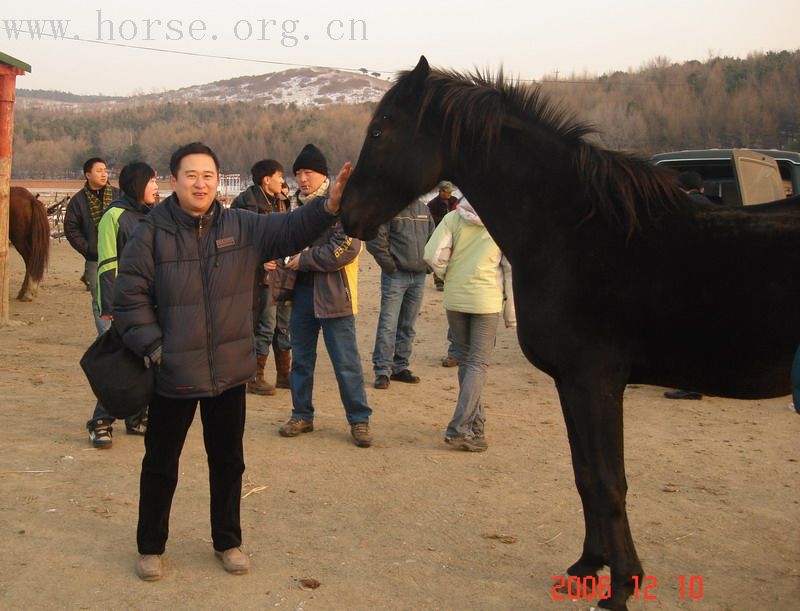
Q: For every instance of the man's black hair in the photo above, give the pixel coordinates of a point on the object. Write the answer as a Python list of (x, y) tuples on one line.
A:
[(89, 164), (263, 168), (193, 148), (690, 181)]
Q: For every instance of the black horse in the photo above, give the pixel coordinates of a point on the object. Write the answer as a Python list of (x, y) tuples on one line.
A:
[(618, 277)]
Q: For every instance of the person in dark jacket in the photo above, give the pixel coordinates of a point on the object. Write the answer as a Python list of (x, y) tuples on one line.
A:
[(137, 182), (444, 202), (183, 299), (80, 224), (691, 183), (272, 327), (439, 206), (398, 249), (325, 298)]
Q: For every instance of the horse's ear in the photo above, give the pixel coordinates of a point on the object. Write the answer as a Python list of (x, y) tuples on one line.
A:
[(417, 76)]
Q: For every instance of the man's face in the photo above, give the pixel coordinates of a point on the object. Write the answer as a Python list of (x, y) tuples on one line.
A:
[(445, 195), (272, 184), (308, 180), (196, 183), (97, 177)]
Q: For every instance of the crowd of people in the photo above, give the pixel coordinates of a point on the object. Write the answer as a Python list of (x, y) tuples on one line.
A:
[(202, 291)]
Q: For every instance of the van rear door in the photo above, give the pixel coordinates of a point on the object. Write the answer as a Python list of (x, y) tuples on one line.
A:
[(758, 176)]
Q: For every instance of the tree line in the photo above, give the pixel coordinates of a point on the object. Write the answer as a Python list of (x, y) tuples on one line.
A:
[(719, 103)]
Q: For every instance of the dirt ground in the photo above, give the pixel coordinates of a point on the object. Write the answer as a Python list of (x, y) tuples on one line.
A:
[(406, 524)]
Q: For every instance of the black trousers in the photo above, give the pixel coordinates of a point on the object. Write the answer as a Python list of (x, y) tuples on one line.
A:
[(223, 428)]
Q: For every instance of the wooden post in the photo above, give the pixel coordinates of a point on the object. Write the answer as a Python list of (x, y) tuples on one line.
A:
[(8, 80), (7, 84)]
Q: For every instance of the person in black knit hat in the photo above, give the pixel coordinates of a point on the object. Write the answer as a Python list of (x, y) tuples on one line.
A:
[(311, 158), (325, 297)]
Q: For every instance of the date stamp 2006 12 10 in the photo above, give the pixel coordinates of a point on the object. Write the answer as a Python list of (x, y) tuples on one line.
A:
[(644, 588)]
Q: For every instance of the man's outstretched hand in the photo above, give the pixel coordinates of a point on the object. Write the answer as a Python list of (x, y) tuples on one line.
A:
[(339, 184)]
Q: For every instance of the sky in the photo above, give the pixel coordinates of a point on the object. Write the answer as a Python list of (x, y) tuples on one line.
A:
[(109, 48)]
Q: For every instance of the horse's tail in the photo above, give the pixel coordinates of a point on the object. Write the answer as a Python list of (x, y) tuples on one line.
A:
[(40, 240)]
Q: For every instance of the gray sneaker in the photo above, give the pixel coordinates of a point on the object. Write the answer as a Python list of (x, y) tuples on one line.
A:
[(468, 444)]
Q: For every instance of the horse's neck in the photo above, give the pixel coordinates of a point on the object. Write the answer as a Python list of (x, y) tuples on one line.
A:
[(503, 180)]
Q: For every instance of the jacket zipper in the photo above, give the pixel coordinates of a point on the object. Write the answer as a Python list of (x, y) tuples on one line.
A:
[(205, 304)]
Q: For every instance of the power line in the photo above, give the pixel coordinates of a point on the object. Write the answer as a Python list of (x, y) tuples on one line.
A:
[(556, 80), (190, 53)]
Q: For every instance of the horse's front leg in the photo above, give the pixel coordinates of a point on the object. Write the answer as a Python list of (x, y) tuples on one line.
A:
[(592, 407)]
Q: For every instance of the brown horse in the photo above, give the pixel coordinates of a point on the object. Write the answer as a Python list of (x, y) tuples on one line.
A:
[(618, 276), (29, 232)]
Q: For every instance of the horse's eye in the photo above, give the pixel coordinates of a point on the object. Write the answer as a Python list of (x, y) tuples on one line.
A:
[(375, 133)]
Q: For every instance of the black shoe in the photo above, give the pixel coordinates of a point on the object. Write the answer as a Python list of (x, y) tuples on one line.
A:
[(140, 428), (405, 376), (137, 426), (381, 382), (683, 394), (100, 434)]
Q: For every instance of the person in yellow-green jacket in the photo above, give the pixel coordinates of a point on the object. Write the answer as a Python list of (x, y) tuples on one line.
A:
[(139, 193), (477, 290)]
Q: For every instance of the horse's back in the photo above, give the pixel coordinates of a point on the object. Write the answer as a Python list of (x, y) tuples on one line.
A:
[(718, 300), (19, 214), (785, 205), (29, 230)]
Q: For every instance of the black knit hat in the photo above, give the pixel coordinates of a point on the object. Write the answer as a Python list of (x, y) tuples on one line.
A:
[(311, 158)]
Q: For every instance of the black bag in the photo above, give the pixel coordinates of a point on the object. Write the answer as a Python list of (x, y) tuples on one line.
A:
[(281, 283), (118, 377)]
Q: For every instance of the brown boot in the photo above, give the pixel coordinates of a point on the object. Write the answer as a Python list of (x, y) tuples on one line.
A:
[(283, 365), (260, 386)]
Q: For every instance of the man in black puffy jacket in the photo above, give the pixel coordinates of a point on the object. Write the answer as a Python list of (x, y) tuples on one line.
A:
[(183, 299)]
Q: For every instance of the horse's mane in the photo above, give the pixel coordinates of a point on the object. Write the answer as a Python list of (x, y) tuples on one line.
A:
[(477, 107)]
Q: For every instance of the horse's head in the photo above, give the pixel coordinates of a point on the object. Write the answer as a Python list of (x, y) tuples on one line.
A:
[(399, 161)]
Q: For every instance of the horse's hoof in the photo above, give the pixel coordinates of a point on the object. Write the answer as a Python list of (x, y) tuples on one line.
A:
[(618, 601), (586, 567), (610, 603), (24, 298)]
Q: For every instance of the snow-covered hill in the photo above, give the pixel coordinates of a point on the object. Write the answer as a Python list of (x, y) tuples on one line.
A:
[(301, 86)]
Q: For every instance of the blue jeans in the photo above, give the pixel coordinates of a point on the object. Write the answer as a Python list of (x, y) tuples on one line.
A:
[(475, 336), (452, 352), (340, 340), (272, 327), (401, 299)]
